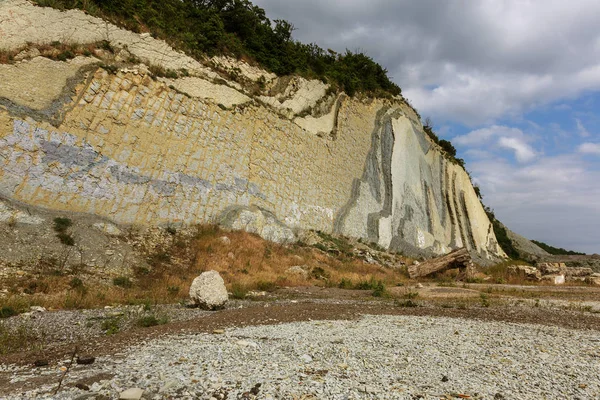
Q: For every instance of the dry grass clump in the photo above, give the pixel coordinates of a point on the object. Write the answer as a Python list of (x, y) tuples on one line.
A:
[(255, 264), (245, 261), (19, 338)]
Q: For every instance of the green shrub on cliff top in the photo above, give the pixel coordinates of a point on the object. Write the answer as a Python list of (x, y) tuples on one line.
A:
[(240, 29)]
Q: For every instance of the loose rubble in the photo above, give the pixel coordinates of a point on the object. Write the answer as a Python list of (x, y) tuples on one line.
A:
[(395, 357)]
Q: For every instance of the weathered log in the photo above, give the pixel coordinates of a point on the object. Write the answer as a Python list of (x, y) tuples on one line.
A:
[(457, 259)]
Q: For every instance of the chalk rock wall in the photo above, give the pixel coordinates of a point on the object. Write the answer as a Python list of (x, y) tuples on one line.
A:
[(138, 149)]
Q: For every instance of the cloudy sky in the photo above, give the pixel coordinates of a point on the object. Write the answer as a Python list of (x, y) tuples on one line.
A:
[(515, 85)]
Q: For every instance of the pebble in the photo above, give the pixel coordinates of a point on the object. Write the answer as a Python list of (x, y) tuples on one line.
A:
[(85, 360), (306, 358), (392, 357), (131, 394)]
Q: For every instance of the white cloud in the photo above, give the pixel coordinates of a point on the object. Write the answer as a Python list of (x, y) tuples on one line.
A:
[(554, 199), (590, 148), (483, 135), (503, 137), (523, 152), (583, 132), (459, 60)]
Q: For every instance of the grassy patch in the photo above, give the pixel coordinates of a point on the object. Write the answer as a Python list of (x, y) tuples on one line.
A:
[(123, 282), (238, 291), (111, 325), (406, 303), (19, 339), (266, 286), (7, 312), (151, 320), (179, 257)]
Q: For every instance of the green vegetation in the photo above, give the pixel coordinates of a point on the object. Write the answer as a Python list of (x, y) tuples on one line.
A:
[(240, 29), (61, 225), (484, 299), (559, 251), (151, 320), (377, 286), (501, 235), (122, 281), (6, 312), (110, 326), (19, 339), (405, 303), (77, 285), (446, 145), (266, 286), (238, 291)]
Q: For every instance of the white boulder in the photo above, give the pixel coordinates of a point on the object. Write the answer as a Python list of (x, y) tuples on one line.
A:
[(208, 291)]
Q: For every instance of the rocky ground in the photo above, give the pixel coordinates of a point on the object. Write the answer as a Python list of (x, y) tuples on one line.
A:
[(322, 343)]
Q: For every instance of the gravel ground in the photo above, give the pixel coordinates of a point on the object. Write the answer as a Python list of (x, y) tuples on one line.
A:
[(395, 357)]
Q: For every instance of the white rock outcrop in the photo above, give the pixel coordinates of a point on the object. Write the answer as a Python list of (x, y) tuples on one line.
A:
[(132, 148), (208, 291), (256, 220)]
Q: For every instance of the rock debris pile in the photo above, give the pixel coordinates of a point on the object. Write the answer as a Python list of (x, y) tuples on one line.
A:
[(395, 357)]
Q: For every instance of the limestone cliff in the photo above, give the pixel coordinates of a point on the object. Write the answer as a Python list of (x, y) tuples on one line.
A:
[(103, 133)]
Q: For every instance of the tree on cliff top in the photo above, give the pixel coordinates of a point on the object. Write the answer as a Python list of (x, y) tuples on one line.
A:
[(240, 29)]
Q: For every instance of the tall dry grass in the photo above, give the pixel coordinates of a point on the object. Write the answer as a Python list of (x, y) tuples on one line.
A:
[(246, 262)]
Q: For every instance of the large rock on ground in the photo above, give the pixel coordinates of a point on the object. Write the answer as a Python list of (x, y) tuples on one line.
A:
[(528, 272), (552, 268), (579, 272), (256, 220), (208, 291)]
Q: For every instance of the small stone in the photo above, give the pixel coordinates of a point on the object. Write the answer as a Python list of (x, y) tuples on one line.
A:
[(231, 256), (131, 394), (85, 360), (40, 363), (419, 285), (108, 228), (225, 240), (218, 331), (499, 396), (306, 358), (247, 343), (167, 386), (37, 309), (256, 389), (582, 386), (82, 386), (445, 378)]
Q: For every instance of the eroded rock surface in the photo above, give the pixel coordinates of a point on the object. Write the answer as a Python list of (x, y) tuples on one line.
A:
[(120, 143), (255, 220)]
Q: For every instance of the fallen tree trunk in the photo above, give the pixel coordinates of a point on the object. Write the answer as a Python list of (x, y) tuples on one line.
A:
[(457, 259)]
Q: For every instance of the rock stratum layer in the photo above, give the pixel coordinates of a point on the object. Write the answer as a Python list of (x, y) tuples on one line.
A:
[(127, 145)]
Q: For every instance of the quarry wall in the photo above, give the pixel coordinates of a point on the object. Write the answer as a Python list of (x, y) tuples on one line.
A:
[(127, 145)]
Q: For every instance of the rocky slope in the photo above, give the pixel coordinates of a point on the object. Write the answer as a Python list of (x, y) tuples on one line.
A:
[(99, 120)]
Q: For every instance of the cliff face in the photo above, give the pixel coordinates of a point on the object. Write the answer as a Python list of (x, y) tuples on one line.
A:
[(125, 144)]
